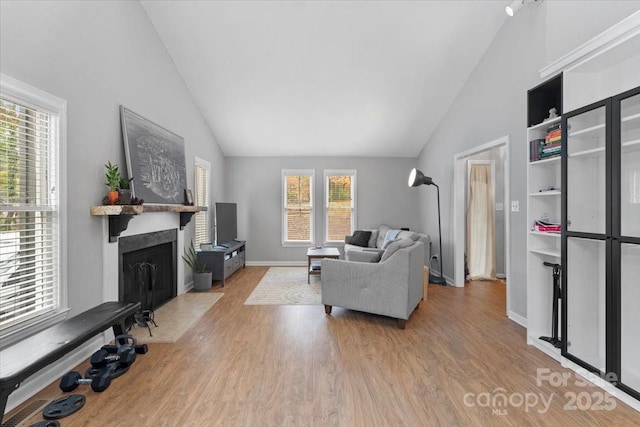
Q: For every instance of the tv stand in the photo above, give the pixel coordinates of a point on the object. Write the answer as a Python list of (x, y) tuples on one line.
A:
[(224, 260)]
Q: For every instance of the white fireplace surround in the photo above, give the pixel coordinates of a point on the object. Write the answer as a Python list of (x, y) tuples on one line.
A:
[(139, 224)]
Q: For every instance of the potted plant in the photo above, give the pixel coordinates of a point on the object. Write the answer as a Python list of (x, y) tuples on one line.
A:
[(113, 180), (201, 277), (124, 190)]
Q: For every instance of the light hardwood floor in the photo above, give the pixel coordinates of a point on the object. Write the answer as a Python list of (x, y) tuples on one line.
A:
[(295, 366)]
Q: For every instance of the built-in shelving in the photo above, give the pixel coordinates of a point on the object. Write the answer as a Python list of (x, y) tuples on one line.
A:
[(545, 193), (599, 275), (599, 150), (546, 234), (543, 202), (633, 143), (631, 118), (548, 160), (590, 129)]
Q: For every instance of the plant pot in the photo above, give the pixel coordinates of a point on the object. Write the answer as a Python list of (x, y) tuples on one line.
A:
[(202, 281), (113, 197), (125, 197)]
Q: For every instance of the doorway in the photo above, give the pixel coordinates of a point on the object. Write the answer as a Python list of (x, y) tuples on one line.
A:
[(498, 152), (481, 248)]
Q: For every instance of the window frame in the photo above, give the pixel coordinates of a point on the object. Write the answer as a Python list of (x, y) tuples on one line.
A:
[(40, 100), (201, 163), (312, 232), (353, 173)]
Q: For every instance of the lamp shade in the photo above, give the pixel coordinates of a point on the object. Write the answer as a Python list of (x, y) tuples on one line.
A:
[(417, 178)]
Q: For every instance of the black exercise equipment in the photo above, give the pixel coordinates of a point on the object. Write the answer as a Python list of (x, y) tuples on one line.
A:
[(116, 370), (139, 348), (557, 294), (71, 380), (125, 357), (64, 406), (47, 423), (55, 342)]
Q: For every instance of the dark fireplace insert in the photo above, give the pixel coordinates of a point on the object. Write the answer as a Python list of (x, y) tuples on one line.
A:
[(147, 270)]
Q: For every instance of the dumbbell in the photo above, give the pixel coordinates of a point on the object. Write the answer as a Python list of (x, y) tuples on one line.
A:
[(130, 341), (125, 357), (71, 380), (139, 348)]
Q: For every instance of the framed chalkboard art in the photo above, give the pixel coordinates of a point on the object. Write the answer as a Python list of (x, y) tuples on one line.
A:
[(155, 159)]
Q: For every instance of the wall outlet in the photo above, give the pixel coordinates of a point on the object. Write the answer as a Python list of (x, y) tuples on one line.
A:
[(515, 206), (499, 206)]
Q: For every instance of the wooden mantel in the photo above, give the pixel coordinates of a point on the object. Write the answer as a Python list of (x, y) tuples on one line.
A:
[(120, 215)]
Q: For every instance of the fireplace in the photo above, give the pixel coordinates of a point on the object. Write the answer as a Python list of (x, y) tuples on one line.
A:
[(147, 270)]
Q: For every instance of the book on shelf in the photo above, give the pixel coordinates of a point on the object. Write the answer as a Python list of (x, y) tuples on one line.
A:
[(547, 147), (545, 226), (534, 149), (556, 127)]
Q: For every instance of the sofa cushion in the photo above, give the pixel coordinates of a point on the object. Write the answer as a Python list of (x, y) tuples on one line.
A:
[(394, 247), (360, 238), (389, 236), (406, 234), (364, 256), (386, 243)]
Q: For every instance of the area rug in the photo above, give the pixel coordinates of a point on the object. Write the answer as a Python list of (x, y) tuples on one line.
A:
[(176, 317), (286, 286)]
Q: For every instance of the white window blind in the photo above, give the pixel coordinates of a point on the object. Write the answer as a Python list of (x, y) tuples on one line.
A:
[(29, 215), (298, 209), (202, 234), (340, 190)]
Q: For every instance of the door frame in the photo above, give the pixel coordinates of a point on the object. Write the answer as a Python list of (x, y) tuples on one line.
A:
[(459, 203)]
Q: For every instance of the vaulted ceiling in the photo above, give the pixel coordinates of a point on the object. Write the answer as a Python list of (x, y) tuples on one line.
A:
[(325, 78)]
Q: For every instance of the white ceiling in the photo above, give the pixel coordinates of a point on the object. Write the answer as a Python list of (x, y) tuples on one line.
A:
[(325, 78)]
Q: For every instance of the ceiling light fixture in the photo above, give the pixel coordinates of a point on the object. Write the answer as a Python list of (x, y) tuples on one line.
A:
[(513, 7)]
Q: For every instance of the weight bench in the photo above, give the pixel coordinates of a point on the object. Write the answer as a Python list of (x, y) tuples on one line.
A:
[(49, 345)]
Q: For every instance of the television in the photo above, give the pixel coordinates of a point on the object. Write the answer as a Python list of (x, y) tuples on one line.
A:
[(226, 223)]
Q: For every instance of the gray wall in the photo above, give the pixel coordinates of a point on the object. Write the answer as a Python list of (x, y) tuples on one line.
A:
[(96, 56), (492, 104), (254, 183)]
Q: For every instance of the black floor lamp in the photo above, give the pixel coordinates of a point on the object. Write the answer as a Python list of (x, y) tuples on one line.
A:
[(416, 179)]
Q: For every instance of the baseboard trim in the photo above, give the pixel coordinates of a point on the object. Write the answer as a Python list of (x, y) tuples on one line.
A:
[(604, 385), (522, 321)]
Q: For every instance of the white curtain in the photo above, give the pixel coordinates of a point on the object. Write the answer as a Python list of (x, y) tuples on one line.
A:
[(481, 246)]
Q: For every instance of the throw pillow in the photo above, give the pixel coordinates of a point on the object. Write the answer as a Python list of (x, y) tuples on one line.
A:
[(391, 234), (382, 232), (373, 239), (360, 238), (394, 247), (408, 235)]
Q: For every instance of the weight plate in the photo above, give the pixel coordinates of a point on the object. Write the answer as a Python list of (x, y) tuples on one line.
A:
[(50, 423), (115, 366), (64, 406)]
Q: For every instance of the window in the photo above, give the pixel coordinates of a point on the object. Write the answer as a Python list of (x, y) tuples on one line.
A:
[(298, 210), (340, 206), (32, 128), (202, 234)]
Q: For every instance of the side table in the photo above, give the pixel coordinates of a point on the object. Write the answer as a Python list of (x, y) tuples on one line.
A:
[(313, 267)]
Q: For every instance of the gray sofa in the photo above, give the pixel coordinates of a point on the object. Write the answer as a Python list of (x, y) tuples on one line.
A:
[(373, 250), (392, 287)]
